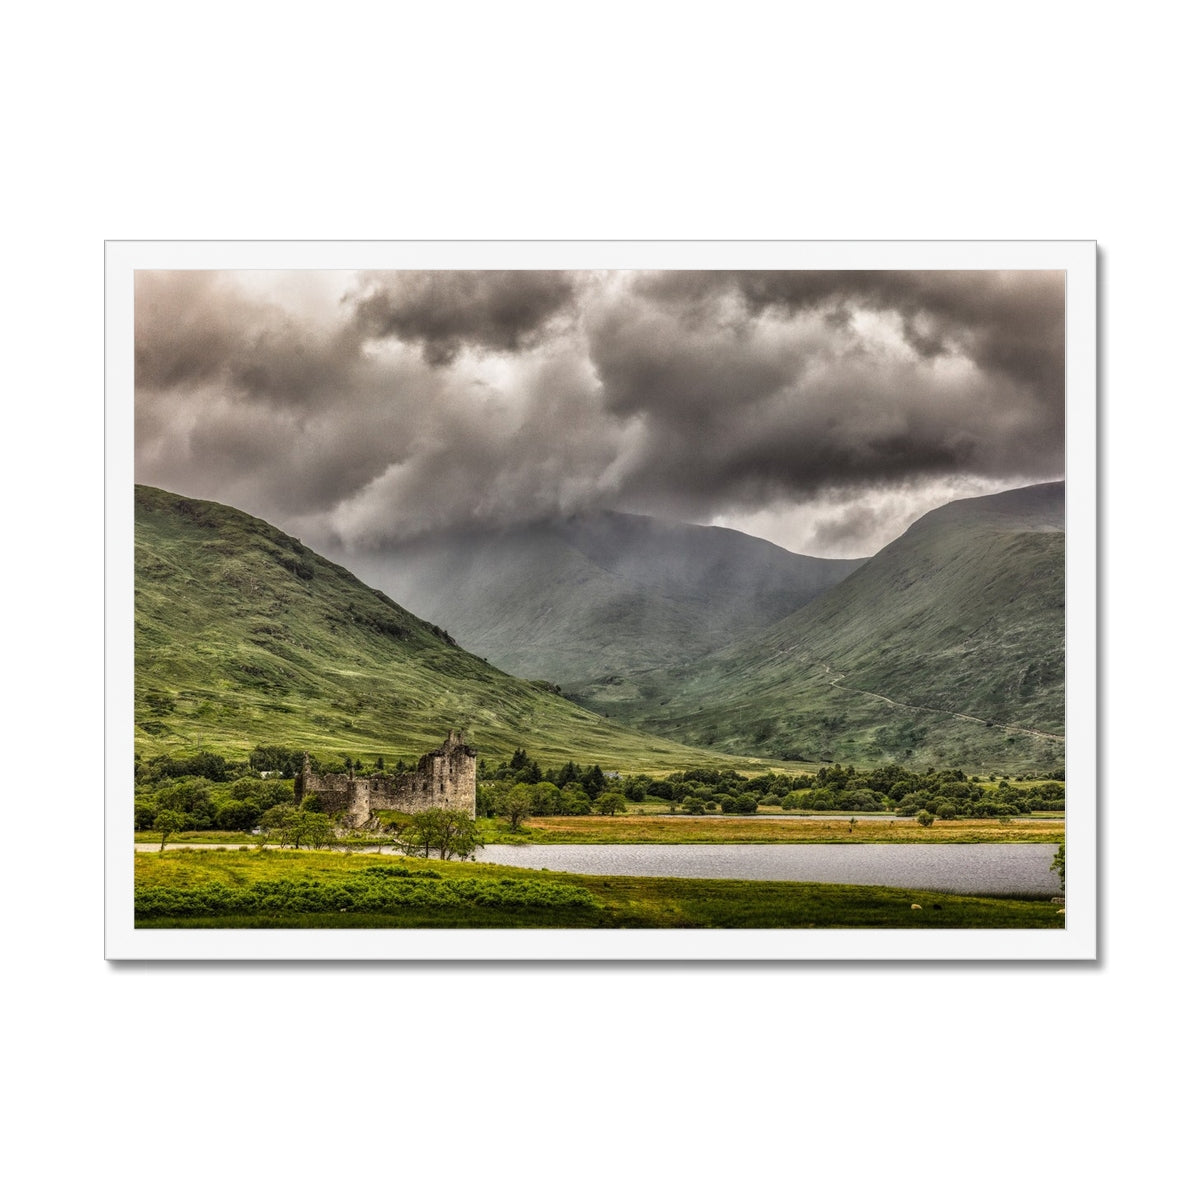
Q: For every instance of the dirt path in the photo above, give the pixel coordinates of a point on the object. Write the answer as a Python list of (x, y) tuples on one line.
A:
[(945, 712)]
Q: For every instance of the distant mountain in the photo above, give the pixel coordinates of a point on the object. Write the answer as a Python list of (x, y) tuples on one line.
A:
[(947, 647), (588, 600), (243, 635)]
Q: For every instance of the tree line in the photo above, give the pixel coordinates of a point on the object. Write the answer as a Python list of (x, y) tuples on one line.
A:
[(207, 791)]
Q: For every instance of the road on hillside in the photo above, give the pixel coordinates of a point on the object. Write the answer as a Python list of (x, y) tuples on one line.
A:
[(945, 712)]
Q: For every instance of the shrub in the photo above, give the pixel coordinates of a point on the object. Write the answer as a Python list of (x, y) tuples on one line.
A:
[(374, 890), (862, 799), (925, 817), (745, 803), (947, 811)]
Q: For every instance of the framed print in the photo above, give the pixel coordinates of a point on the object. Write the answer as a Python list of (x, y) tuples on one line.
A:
[(601, 600)]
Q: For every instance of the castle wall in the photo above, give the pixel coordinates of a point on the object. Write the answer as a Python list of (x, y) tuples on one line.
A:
[(444, 778)]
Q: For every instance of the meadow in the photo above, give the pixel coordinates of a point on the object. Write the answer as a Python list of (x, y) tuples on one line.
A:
[(263, 889), (660, 829), (663, 830)]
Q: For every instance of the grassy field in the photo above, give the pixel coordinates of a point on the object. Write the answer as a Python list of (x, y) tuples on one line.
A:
[(664, 830), (634, 828), (225, 889)]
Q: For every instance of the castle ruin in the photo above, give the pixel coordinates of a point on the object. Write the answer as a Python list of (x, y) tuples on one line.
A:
[(444, 778)]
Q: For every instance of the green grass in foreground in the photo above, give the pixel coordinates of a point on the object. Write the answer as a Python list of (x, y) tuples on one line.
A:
[(255, 889)]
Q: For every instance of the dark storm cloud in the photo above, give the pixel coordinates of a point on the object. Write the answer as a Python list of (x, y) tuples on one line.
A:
[(242, 399), (754, 387), (194, 328), (445, 311), (373, 408), (1010, 322)]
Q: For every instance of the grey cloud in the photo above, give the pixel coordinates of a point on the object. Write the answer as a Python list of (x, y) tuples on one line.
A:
[(743, 406), (193, 328), (490, 461), (683, 394), (1011, 322), (446, 311)]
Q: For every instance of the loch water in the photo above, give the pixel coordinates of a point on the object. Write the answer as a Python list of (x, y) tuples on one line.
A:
[(984, 869)]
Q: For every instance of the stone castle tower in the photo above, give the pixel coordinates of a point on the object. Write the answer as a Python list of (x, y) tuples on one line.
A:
[(444, 778)]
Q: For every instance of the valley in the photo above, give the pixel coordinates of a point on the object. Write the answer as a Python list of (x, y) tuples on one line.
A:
[(741, 695)]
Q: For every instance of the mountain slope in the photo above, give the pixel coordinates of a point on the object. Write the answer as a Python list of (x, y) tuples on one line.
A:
[(588, 598), (243, 636), (948, 645)]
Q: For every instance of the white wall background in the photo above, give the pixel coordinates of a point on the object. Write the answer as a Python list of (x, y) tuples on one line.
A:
[(598, 121)]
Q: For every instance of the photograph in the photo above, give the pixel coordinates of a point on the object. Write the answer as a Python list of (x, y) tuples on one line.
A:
[(600, 600)]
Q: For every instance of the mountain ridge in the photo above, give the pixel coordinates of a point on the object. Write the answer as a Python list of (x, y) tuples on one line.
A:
[(244, 635), (582, 598), (946, 645)]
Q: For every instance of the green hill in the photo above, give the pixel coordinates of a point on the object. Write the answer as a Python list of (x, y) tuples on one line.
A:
[(946, 648), (245, 636), (591, 600)]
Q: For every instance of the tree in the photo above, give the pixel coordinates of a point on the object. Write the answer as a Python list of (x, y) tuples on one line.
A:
[(573, 801), (635, 790), (297, 827), (464, 837), (925, 817), (286, 761), (448, 831), (237, 814), (610, 802), (312, 829), (546, 798), (417, 835), (184, 794), (276, 823), (593, 781), (167, 822), (1059, 864), (517, 805)]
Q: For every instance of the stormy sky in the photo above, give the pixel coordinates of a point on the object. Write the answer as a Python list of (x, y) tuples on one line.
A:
[(823, 410)]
